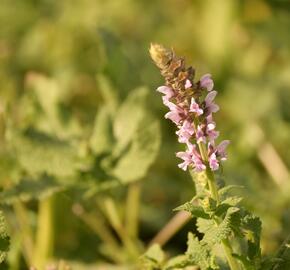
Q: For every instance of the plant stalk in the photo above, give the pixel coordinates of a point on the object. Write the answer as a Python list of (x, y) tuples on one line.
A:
[(45, 233), (215, 195)]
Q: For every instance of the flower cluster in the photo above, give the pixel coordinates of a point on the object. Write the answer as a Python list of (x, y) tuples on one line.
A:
[(191, 107)]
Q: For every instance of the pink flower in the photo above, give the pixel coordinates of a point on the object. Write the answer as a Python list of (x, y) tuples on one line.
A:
[(185, 132), (198, 165), (194, 107), (206, 82), (210, 129), (188, 84), (187, 161), (221, 150), (167, 91), (191, 157), (200, 136), (210, 106), (176, 113), (213, 162)]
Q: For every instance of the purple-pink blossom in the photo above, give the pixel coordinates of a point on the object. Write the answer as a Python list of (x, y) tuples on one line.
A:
[(193, 116), (207, 82), (210, 106), (191, 157), (185, 131), (194, 107)]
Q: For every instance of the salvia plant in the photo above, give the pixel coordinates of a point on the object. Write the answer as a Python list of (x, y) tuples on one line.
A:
[(229, 235)]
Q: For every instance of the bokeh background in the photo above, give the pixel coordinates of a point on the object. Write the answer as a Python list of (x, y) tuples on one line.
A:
[(66, 70)]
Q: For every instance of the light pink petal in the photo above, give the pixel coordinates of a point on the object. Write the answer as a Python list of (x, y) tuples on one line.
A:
[(210, 97), (183, 155), (166, 90), (200, 135), (183, 166), (173, 116), (213, 108), (199, 166), (223, 145), (188, 84), (194, 107), (206, 82), (213, 162)]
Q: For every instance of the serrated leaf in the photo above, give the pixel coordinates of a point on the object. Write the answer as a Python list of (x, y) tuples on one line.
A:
[(4, 238), (203, 225), (39, 153), (101, 140), (129, 116), (28, 189), (222, 231), (134, 163), (194, 210), (252, 227), (226, 204), (199, 253)]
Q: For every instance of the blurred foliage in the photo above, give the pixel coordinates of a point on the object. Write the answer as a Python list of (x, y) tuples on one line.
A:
[(76, 126)]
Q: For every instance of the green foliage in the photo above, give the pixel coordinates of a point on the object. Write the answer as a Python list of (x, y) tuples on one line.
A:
[(137, 139), (143, 150), (252, 228), (194, 210), (28, 188), (199, 253), (33, 150), (153, 258), (222, 231), (101, 140), (4, 238)]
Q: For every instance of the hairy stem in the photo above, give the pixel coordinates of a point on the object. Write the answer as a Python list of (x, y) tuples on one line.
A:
[(215, 195)]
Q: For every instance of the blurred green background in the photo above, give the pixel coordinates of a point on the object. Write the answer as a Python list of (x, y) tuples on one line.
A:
[(67, 66)]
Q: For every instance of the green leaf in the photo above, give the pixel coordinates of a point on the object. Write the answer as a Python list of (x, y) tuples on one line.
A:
[(199, 253), (134, 163), (232, 201), (4, 238), (109, 94), (28, 189), (129, 116), (216, 234), (178, 262), (226, 204), (282, 257), (204, 225), (194, 210), (48, 95), (102, 140), (39, 153), (153, 258), (252, 228), (247, 264), (226, 189)]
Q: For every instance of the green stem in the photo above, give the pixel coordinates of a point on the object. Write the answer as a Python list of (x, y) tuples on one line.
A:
[(114, 219), (132, 209), (45, 233), (25, 231), (215, 195)]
